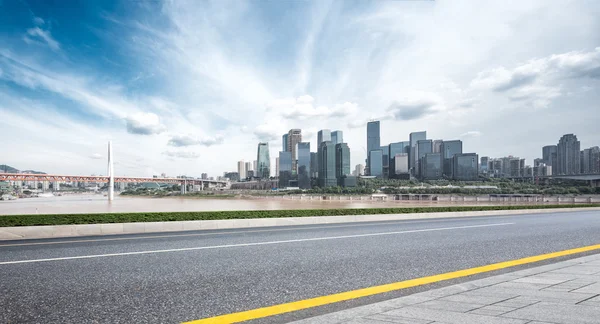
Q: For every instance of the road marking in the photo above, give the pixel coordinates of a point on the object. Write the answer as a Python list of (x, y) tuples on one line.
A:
[(252, 244), (301, 227), (375, 290)]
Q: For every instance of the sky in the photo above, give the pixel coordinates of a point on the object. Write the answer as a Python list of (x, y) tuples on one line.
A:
[(188, 87)]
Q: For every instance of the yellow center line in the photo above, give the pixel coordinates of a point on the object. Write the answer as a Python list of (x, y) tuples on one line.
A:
[(370, 291)]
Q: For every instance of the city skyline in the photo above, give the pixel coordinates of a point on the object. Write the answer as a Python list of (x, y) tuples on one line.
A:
[(172, 96)]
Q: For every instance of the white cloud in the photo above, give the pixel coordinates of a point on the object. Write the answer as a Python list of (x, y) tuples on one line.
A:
[(189, 140), (38, 21), (34, 35), (182, 154), (416, 105), (144, 124), (303, 108)]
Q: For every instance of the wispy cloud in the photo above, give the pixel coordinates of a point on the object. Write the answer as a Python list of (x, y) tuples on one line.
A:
[(37, 35), (189, 140), (144, 124)]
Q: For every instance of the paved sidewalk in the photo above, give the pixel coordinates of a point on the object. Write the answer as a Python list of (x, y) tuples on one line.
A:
[(564, 292)]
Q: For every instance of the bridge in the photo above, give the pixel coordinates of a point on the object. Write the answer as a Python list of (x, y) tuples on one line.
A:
[(111, 178)]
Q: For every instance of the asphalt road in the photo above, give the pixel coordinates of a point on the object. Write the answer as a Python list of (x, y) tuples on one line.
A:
[(170, 278)]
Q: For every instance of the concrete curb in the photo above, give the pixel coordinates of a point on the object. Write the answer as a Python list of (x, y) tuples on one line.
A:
[(38, 232)]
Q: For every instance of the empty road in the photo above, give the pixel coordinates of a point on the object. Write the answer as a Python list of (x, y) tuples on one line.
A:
[(177, 277)]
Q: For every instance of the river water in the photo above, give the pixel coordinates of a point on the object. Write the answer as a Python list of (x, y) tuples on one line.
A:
[(74, 204)]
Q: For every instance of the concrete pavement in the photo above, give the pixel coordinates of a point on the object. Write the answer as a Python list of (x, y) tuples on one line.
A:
[(566, 292), (176, 277)]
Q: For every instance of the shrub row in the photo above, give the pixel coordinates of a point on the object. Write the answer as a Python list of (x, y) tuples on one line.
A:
[(66, 219)]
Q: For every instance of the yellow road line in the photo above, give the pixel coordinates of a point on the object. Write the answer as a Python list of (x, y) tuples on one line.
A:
[(348, 295)]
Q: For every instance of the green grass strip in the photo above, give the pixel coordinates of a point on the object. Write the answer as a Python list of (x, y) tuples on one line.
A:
[(105, 218)]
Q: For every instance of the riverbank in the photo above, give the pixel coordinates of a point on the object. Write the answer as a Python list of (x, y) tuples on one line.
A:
[(108, 218)]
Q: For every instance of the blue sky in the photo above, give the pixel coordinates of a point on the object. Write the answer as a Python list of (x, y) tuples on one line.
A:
[(186, 87)]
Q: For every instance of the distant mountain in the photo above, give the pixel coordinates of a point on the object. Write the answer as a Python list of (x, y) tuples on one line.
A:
[(8, 169)]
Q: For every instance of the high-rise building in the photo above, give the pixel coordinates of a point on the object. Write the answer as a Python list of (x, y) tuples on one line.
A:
[(413, 138), (423, 147), (465, 167), (547, 152), (314, 165), (327, 176), (386, 160), (373, 141), (323, 135), (400, 166), (568, 155), (285, 169), (294, 137), (204, 176), (431, 166), (359, 170), (376, 163), (448, 150), (264, 161), (248, 167), (395, 148), (337, 137), (437, 146), (277, 165), (483, 166), (284, 142), (590, 163), (255, 167), (241, 166), (342, 161), (303, 164)]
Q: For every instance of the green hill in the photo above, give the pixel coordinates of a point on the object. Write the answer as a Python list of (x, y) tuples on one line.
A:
[(7, 169)]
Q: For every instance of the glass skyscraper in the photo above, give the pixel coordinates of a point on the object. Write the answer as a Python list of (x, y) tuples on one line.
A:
[(303, 164), (342, 160), (263, 161), (568, 155), (466, 167), (423, 147), (314, 164), (431, 166), (327, 165), (284, 142), (323, 135), (337, 137), (412, 157), (285, 169), (449, 149), (376, 163), (373, 141), (396, 148)]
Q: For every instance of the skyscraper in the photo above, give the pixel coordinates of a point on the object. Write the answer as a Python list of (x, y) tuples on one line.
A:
[(342, 161), (483, 166), (248, 167), (359, 170), (400, 166), (277, 165), (465, 167), (568, 155), (412, 158), (396, 148), (337, 137), (285, 169), (255, 167), (314, 164), (431, 166), (323, 135), (376, 163), (423, 147), (437, 146), (284, 142), (294, 137), (303, 164), (327, 165), (263, 161), (373, 141), (547, 152), (241, 166), (591, 160), (448, 150)]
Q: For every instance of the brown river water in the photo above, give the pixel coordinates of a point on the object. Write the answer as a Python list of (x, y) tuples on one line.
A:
[(74, 204)]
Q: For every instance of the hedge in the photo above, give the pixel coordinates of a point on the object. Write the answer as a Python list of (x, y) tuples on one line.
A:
[(101, 218)]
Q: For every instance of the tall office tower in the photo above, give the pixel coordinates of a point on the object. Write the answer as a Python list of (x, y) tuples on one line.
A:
[(547, 152), (590, 160), (413, 138), (327, 165), (448, 150), (303, 164), (314, 164), (359, 170), (277, 165), (241, 166), (337, 137), (568, 155), (284, 142), (484, 165), (263, 161), (323, 135), (437, 146), (294, 137), (393, 149), (423, 147), (373, 141), (285, 169), (385, 160), (204, 176), (342, 162), (255, 167), (431, 166), (376, 163), (248, 167), (400, 166), (465, 167)]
